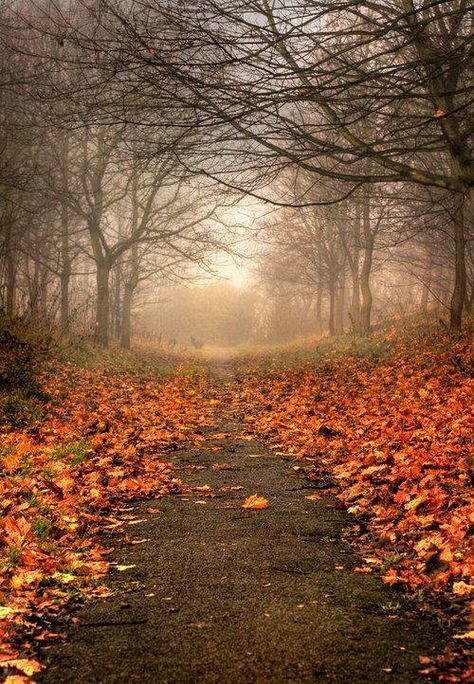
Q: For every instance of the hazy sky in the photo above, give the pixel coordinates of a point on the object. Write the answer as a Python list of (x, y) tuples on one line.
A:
[(238, 269), (239, 273)]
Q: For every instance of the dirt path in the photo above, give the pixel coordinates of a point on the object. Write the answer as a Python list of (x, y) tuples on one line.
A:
[(219, 594)]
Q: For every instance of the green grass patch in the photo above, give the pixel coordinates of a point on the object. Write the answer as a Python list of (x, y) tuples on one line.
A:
[(18, 410), (77, 451), (141, 363), (14, 554), (41, 527)]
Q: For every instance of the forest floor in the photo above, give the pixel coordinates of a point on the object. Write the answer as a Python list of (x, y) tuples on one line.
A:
[(126, 498)]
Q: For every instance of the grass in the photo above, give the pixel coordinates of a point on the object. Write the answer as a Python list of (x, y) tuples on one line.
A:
[(77, 451), (374, 348), (144, 361), (41, 527), (13, 556), (22, 402), (391, 607), (19, 410), (30, 347), (35, 341)]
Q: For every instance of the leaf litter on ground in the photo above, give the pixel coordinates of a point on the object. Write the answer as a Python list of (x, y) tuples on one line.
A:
[(105, 441)]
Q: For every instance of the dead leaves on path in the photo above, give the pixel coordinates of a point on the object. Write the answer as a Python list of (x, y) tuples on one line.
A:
[(25, 666), (105, 441), (392, 438), (395, 435)]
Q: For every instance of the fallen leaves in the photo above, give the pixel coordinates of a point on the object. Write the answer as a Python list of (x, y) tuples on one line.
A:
[(391, 437), (466, 635), (105, 440), (255, 503), (23, 665), (463, 588), (5, 611), (414, 503), (64, 577), (394, 437)]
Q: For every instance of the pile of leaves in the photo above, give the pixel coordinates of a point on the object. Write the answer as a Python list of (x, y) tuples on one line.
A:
[(395, 434), (103, 441)]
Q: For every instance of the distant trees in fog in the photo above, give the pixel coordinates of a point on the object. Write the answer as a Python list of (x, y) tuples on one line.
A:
[(210, 314), (87, 217), (129, 127)]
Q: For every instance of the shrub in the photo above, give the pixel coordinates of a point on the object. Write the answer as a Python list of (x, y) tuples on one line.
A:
[(21, 396)]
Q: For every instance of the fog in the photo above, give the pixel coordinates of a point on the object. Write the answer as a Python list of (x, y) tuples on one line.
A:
[(197, 192)]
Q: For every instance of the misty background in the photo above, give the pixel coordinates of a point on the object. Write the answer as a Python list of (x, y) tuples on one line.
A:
[(228, 173)]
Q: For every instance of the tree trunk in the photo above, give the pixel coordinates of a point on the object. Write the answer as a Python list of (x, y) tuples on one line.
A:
[(126, 332), (65, 276), (459, 292), (427, 287), (43, 293), (127, 301), (117, 303), (355, 271), (366, 306), (103, 304), (332, 306), (65, 279), (355, 303), (10, 299), (34, 289), (470, 301), (339, 305), (319, 317)]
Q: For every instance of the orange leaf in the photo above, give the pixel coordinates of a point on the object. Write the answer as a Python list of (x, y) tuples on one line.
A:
[(28, 667), (462, 588), (255, 503), (414, 503), (17, 530)]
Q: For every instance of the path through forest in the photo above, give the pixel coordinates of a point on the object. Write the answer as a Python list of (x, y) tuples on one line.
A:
[(220, 594)]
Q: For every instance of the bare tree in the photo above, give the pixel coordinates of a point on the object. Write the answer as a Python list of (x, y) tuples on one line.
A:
[(363, 93)]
